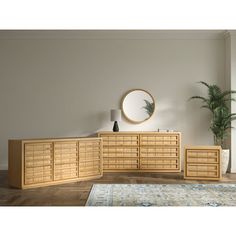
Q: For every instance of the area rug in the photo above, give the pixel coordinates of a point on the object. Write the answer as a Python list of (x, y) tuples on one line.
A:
[(162, 195)]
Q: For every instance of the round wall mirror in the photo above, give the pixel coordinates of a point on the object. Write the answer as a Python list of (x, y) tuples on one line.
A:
[(138, 105)]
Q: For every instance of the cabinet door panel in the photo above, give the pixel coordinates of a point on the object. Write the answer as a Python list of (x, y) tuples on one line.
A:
[(65, 160), (38, 163), (90, 158)]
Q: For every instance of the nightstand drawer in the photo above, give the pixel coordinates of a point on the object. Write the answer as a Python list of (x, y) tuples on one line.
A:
[(202, 170)]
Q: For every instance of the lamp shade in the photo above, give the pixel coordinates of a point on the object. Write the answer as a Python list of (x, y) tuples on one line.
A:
[(115, 115)]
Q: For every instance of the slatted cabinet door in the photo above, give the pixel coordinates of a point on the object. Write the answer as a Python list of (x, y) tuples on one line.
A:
[(65, 160), (160, 152), (120, 152), (38, 166), (203, 162), (90, 158)]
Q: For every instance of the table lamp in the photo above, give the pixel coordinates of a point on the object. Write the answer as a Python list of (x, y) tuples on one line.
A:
[(115, 116)]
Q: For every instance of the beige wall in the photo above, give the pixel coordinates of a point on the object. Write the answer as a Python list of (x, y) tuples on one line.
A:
[(65, 86)]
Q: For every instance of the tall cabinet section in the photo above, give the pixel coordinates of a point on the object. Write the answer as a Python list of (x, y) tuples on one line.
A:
[(35, 163), (141, 151)]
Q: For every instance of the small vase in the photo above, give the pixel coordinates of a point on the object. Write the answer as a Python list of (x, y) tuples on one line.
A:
[(224, 160), (115, 127)]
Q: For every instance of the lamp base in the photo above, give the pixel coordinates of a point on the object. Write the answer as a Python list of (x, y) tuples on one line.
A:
[(115, 127)]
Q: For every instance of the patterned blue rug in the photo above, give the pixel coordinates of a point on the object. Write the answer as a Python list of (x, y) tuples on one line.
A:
[(162, 195)]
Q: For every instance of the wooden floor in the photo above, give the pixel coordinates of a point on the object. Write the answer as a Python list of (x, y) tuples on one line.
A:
[(76, 194)]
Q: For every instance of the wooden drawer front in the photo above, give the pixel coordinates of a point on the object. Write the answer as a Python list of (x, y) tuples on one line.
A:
[(33, 176), (159, 164), (120, 163), (89, 150), (37, 180), (120, 152), (66, 167), (35, 147), (62, 172), (66, 175), (159, 139), (38, 152), (159, 152), (120, 140), (202, 170), (65, 160), (90, 168), (90, 145), (202, 156), (38, 163), (90, 154)]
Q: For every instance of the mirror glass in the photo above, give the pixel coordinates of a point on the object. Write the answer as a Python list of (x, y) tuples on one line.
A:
[(138, 105)]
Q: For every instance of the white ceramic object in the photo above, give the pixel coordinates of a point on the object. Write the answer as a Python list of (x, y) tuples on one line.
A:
[(224, 160)]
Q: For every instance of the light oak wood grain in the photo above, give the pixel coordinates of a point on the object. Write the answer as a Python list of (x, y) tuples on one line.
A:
[(202, 162), (43, 162), (141, 151)]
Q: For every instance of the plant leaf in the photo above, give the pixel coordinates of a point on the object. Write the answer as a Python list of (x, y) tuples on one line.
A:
[(204, 83), (198, 97)]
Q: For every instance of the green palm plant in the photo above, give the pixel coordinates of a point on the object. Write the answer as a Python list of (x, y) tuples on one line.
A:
[(221, 123), (149, 107), (217, 102), (215, 98)]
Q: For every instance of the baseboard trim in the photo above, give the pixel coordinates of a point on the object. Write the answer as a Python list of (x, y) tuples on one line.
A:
[(3, 167)]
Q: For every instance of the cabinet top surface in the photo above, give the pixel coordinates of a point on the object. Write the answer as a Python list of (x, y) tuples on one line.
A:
[(202, 147), (137, 132), (57, 139)]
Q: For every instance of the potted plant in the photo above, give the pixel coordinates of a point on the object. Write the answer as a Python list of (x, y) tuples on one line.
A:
[(217, 102)]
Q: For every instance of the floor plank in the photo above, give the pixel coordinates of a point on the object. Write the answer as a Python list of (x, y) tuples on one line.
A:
[(76, 194)]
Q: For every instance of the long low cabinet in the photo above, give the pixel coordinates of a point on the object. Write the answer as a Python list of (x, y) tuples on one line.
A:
[(35, 163), (141, 151)]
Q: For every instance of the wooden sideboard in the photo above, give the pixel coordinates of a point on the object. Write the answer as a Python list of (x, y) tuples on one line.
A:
[(141, 151), (43, 162), (202, 162)]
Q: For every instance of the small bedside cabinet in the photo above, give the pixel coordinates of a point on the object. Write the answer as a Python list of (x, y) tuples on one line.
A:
[(202, 162)]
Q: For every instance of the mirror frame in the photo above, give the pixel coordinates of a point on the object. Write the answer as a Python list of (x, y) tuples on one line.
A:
[(122, 107)]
